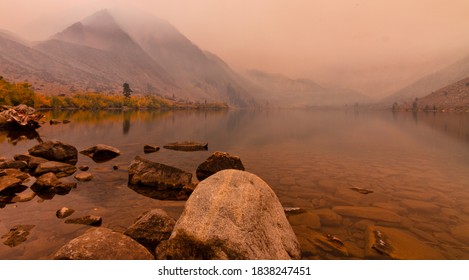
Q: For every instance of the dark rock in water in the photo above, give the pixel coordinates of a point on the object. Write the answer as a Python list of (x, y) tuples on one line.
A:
[(53, 122), (393, 243), (115, 167), (150, 149), (8, 182), (216, 162), (101, 153), (64, 212), (158, 178), (231, 215), (55, 151), (17, 235), (84, 176), (151, 228), (65, 121), (361, 190), (187, 146), (32, 161), (103, 244), (50, 184), (293, 210), (60, 169), (16, 164), (84, 167), (86, 220)]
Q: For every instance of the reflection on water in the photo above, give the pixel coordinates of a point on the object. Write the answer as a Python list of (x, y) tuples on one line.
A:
[(416, 166)]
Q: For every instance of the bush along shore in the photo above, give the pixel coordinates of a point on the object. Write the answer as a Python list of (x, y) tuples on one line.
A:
[(13, 94)]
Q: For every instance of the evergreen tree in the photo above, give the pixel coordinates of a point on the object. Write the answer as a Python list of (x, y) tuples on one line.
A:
[(126, 90)]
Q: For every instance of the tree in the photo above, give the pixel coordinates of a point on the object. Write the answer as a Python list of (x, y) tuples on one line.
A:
[(126, 90)]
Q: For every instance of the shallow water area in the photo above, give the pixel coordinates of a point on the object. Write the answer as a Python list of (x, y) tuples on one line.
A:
[(416, 165)]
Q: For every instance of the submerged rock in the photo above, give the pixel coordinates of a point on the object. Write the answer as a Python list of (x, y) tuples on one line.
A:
[(101, 153), (150, 149), (461, 233), (60, 169), (162, 181), (216, 162), (55, 151), (328, 217), (64, 212), (187, 146), (361, 190), (231, 215), (103, 244), (89, 220), (151, 228), (372, 213), (54, 122), (392, 243), (17, 235)]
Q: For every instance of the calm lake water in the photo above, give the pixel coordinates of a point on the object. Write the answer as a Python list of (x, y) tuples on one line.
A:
[(311, 159)]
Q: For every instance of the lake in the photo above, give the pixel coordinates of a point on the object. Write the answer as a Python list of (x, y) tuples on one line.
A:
[(416, 165)]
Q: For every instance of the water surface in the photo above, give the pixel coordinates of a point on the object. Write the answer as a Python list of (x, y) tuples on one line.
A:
[(311, 159)]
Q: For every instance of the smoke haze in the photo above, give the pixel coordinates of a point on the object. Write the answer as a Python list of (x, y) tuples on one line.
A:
[(375, 47)]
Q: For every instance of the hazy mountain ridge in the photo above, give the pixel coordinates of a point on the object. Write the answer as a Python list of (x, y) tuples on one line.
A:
[(432, 82), (107, 49), (279, 89), (451, 97)]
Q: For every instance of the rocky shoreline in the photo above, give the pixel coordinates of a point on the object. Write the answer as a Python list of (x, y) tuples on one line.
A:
[(229, 214)]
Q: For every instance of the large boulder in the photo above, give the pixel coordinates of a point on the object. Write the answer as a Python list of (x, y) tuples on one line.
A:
[(103, 244), (216, 162), (151, 228), (101, 153), (231, 215), (60, 169), (159, 180), (55, 151)]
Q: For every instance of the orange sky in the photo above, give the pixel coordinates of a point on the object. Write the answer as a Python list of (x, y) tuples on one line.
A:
[(374, 46)]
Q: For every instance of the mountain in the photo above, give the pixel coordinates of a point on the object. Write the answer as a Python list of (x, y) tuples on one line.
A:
[(280, 90), (454, 97), (101, 52), (432, 82)]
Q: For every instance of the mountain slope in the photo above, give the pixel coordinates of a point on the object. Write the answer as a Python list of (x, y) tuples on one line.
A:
[(280, 90), (432, 82), (452, 97)]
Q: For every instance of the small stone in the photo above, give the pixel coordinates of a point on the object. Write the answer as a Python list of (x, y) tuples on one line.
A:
[(84, 167), (16, 164), (101, 153), (54, 122), (60, 169), (361, 190), (293, 210), (8, 182), (187, 146), (65, 121), (90, 220), (24, 196), (216, 162), (115, 167), (150, 149), (84, 176), (17, 235), (64, 212)]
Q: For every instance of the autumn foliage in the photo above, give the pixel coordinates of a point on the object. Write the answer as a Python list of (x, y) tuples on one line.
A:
[(22, 93)]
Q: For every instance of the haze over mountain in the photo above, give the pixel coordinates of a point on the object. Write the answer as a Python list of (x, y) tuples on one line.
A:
[(432, 82), (107, 49)]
